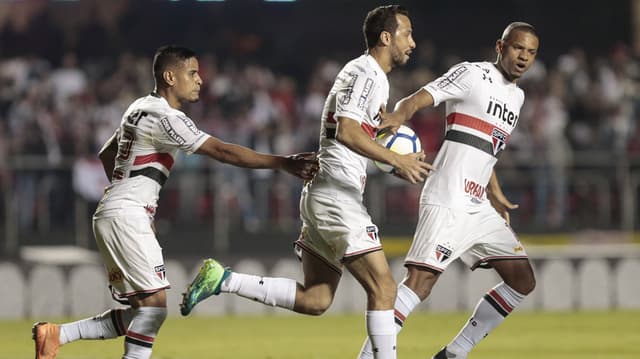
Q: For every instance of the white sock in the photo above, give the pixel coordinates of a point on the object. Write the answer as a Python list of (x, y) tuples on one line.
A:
[(142, 332), (279, 292), (382, 333), (110, 324), (490, 311), (406, 301)]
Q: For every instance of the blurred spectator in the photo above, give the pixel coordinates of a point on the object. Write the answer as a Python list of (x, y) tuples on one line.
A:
[(67, 81), (55, 107), (545, 117)]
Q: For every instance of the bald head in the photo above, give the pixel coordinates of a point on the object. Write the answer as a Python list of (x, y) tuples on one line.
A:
[(518, 26)]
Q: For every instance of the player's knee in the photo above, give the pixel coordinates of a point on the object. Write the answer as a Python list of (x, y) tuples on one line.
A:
[(525, 286), (318, 305), (384, 293), (314, 301), (529, 286), (155, 315)]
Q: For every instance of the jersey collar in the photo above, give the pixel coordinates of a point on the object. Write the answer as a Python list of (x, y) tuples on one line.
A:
[(375, 64)]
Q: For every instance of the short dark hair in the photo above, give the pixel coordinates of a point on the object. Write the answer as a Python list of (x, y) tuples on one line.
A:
[(166, 56), (518, 26), (382, 18)]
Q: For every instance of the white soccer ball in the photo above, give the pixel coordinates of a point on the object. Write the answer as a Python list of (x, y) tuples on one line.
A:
[(403, 142)]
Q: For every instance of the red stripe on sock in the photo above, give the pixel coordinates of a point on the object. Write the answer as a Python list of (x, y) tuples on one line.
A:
[(500, 300), (140, 337), (399, 315)]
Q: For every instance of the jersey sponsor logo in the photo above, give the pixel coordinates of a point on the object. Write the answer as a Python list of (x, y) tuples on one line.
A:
[(473, 188), (443, 253), (160, 271), (518, 249), (372, 232), (364, 96), (499, 139), (190, 125), (349, 88), (166, 126), (500, 111), (452, 77)]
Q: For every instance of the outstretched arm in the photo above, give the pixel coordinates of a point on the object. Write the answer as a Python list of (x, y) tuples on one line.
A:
[(405, 109), (107, 155), (498, 200), (301, 165)]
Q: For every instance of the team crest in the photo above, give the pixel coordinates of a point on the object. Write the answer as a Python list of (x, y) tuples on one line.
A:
[(442, 253), (160, 272), (499, 139), (372, 232)]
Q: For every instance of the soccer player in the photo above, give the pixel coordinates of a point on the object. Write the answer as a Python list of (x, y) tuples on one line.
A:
[(456, 218), (138, 159), (337, 231)]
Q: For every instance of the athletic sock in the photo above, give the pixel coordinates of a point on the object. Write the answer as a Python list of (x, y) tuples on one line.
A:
[(406, 301), (280, 292), (110, 324), (490, 311), (382, 333), (142, 332)]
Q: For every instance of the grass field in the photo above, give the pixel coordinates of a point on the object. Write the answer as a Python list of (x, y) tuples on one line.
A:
[(593, 335)]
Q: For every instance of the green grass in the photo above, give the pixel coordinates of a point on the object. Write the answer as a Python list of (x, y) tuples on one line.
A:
[(530, 335)]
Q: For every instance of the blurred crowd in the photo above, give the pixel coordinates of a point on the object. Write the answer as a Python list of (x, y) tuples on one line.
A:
[(56, 113)]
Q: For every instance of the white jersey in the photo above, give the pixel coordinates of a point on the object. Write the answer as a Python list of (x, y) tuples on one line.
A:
[(359, 90), (482, 110), (149, 137)]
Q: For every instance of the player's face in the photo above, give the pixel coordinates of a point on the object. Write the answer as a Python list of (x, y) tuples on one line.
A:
[(188, 80), (403, 43), (517, 53)]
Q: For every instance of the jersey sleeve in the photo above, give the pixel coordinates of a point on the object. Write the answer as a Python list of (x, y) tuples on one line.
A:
[(179, 130), (454, 84), (353, 94)]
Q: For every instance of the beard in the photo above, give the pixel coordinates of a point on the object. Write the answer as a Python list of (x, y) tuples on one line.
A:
[(398, 58)]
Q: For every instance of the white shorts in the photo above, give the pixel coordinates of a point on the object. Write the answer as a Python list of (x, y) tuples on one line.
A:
[(335, 228), (445, 234), (131, 255)]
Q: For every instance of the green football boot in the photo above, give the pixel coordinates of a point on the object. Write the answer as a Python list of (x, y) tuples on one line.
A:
[(205, 284)]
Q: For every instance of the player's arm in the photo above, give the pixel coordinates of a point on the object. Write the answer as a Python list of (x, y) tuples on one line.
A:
[(107, 155), (497, 198), (405, 109), (301, 165), (410, 166)]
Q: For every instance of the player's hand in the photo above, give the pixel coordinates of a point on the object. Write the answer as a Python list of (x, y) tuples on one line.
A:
[(411, 167), (390, 121), (502, 205), (303, 165)]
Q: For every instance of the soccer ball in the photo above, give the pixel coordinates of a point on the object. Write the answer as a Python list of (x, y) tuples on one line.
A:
[(403, 142)]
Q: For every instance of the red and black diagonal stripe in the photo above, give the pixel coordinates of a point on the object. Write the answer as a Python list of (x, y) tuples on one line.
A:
[(498, 303)]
